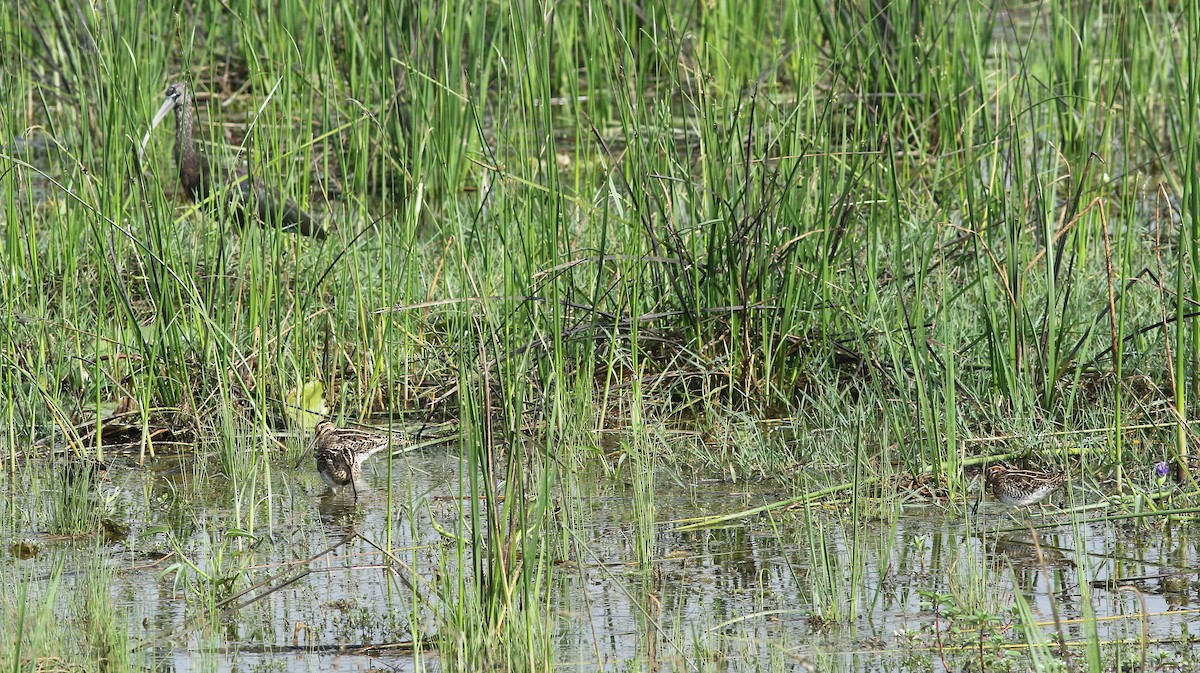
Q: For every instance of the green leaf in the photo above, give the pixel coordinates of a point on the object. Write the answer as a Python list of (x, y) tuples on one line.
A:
[(306, 405)]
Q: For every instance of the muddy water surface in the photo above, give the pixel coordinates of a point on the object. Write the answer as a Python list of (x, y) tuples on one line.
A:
[(797, 589)]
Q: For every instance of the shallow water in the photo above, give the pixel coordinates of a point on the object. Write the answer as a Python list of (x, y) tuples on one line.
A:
[(784, 591)]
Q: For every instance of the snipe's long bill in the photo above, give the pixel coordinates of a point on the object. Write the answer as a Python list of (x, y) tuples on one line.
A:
[(200, 180), (1022, 488)]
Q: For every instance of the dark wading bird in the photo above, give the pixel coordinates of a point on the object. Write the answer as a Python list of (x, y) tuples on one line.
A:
[(197, 176)]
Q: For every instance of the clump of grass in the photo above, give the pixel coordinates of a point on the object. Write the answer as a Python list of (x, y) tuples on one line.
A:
[(95, 636), (76, 503), (106, 634), (473, 637)]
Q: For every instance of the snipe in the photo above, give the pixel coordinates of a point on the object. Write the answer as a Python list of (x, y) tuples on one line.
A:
[(200, 180), (1021, 488), (340, 453)]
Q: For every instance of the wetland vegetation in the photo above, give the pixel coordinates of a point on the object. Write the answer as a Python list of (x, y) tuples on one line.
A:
[(691, 325)]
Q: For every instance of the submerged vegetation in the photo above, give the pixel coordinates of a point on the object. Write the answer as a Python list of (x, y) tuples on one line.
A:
[(608, 260)]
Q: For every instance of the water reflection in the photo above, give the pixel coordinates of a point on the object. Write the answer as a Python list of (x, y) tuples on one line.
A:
[(1028, 553), (340, 512)]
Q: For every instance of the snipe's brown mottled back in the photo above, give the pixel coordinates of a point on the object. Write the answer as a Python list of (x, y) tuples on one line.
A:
[(1021, 488)]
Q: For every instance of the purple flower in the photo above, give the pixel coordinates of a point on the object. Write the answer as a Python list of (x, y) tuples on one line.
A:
[(1161, 469)]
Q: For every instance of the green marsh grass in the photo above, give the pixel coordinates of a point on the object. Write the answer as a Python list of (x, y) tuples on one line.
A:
[(67, 620), (904, 234)]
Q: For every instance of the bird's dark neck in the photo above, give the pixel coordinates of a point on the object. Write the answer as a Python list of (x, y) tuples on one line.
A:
[(194, 171)]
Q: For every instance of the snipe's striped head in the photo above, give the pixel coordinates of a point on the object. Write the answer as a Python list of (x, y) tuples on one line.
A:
[(324, 428)]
